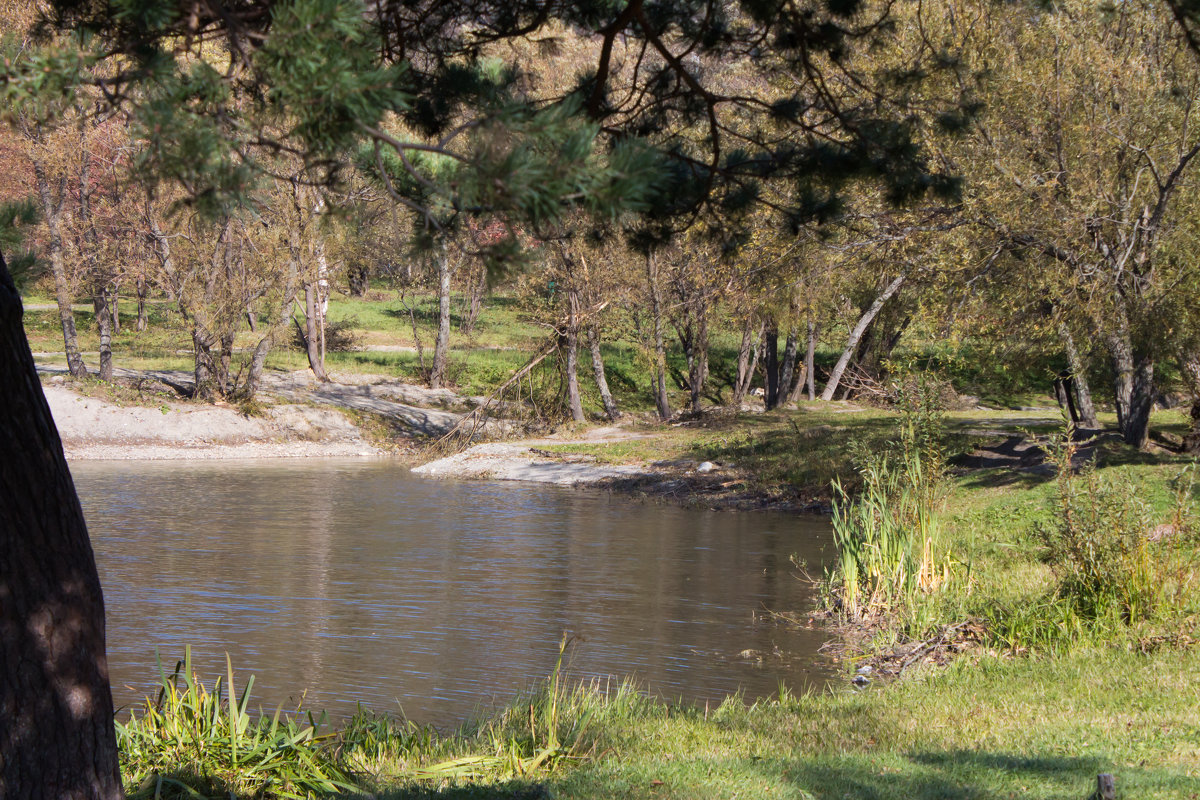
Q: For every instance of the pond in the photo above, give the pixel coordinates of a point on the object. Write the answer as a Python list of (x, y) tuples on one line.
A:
[(346, 582)]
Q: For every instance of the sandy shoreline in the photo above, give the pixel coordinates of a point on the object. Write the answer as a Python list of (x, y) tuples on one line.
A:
[(94, 429)]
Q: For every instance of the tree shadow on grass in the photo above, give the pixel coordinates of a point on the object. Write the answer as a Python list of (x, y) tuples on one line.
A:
[(976, 775)]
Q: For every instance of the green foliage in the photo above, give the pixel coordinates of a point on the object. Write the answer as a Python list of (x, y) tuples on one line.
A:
[(187, 137), (191, 743), (1098, 542), (320, 67), (39, 83), (14, 219)]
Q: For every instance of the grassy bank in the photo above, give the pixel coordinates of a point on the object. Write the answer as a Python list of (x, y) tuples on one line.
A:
[(986, 727)]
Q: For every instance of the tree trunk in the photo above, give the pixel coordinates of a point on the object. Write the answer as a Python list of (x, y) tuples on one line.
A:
[(572, 348), (771, 366), (1189, 367), (1083, 392), (788, 368), (747, 361), (660, 351), (1133, 384), (103, 296), (258, 359), (104, 323), (115, 300), (57, 738), (312, 334), (62, 292), (856, 334), (810, 371), (441, 346), (1062, 393), (610, 405), (476, 291), (359, 278), (143, 291), (205, 374), (698, 366)]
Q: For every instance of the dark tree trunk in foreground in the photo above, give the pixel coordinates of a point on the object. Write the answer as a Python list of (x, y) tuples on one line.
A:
[(57, 738), (1133, 385)]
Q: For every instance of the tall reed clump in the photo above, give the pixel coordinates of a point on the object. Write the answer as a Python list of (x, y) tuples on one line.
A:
[(886, 534), (530, 736), (1099, 541), (191, 742)]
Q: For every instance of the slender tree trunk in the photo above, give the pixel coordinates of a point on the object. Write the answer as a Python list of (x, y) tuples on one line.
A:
[(1083, 392), (1062, 393), (102, 299), (252, 319), (104, 323), (660, 351), (572, 348), (788, 368), (810, 370), (477, 290), (258, 359), (62, 292), (745, 368), (856, 334), (771, 366), (441, 346), (115, 300), (610, 405), (57, 738), (143, 291), (312, 334), (698, 366)]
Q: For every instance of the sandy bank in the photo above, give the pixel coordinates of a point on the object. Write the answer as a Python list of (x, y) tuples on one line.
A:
[(92, 428), (522, 461)]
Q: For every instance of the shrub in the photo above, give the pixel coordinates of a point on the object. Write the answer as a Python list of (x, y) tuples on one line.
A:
[(1098, 543)]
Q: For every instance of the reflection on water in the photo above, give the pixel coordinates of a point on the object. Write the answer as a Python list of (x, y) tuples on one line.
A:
[(354, 581)]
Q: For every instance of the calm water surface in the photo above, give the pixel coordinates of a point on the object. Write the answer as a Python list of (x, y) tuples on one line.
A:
[(355, 581)]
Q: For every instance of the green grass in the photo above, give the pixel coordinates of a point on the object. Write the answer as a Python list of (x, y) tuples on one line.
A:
[(984, 728)]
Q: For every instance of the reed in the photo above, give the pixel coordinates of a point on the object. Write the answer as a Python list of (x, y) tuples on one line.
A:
[(192, 742), (887, 534)]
